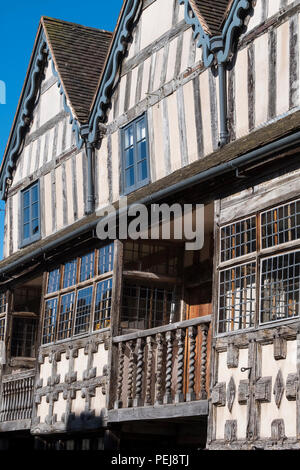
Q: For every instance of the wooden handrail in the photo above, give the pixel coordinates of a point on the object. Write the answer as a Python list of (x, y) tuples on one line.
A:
[(163, 329)]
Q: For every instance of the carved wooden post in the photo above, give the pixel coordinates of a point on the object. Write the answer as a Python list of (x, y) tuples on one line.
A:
[(121, 349), (191, 396), (180, 337), (139, 372), (168, 394), (149, 370), (131, 345), (159, 366), (203, 392)]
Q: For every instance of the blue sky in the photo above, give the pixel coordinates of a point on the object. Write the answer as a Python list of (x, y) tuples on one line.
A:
[(19, 21)]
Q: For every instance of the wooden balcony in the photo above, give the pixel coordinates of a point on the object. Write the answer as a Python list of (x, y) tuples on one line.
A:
[(16, 401), (161, 373)]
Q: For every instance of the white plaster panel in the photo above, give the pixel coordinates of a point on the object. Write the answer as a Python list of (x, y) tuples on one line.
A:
[(100, 359), (158, 67), (59, 407), (122, 90), (190, 118), (115, 165), (158, 141), (50, 104), (69, 190), (50, 144), (185, 50), (171, 60), (241, 93), (43, 409), (155, 21), (174, 132), (133, 87), (15, 209), (47, 210), (101, 156), (33, 156), (273, 7), (283, 65), (59, 197), (256, 19), (80, 194), (63, 367), (287, 409), (80, 363), (98, 402), (145, 80), (238, 412), (261, 79), (206, 114), (45, 371), (78, 404)]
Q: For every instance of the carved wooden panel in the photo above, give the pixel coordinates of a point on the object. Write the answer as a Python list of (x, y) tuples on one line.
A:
[(218, 395), (263, 390)]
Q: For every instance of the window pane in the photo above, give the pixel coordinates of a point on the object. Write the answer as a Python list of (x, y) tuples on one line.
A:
[(106, 259), (87, 266), (140, 129), (142, 170), (83, 310), (70, 272), (129, 137), (129, 157), (280, 224), (238, 239), (26, 199), (148, 306), (2, 328), (2, 302), (35, 210), (129, 177), (142, 150), (34, 194), (23, 337), (35, 226), (280, 290), (64, 328), (53, 280), (237, 298), (103, 304), (26, 215), (49, 321), (26, 231)]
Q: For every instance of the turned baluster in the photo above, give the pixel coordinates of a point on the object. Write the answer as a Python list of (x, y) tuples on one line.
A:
[(159, 369), (7, 386), (138, 401), (12, 415), (180, 337), (4, 399), (191, 396), (169, 363), (203, 393), (121, 351), (149, 370), (131, 345)]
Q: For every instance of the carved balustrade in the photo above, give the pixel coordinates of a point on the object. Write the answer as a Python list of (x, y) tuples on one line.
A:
[(161, 366)]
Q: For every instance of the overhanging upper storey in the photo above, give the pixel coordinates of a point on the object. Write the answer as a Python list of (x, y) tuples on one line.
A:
[(77, 56)]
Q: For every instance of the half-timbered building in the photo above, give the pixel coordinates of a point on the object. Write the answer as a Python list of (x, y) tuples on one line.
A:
[(128, 343)]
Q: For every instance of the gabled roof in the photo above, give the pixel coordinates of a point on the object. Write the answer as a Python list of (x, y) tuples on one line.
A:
[(211, 14), (79, 53)]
